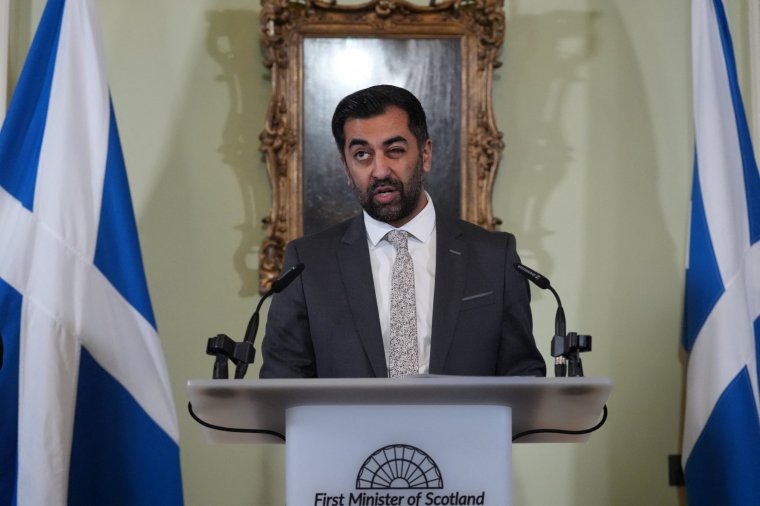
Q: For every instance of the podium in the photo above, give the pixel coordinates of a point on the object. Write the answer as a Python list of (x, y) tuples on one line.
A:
[(426, 440)]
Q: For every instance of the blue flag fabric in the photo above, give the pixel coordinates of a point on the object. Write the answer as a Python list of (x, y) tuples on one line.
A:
[(721, 444), (86, 412)]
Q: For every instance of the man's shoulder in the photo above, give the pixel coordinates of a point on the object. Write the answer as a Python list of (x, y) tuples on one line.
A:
[(470, 231), (350, 227)]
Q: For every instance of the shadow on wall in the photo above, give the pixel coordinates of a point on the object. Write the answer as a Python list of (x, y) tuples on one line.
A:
[(630, 270), (635, 274), (538, 154), (544, 55), (193, 224), (232, 41)]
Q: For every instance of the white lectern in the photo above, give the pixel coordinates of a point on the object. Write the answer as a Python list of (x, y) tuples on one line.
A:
[(428, 440)]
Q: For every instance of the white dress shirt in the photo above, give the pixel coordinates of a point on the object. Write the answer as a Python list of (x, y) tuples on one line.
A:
[(422, 241)]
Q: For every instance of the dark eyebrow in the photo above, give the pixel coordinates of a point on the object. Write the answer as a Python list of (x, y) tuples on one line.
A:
[(386, 143), (357, 142), (393, 140)]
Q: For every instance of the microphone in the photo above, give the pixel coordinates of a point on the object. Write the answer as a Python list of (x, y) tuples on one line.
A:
[(566, 349), (560, 360), (283, 281), (245, 352), (543, 283)]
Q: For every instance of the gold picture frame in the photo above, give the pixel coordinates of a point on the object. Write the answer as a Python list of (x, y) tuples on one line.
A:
[(454, 44)]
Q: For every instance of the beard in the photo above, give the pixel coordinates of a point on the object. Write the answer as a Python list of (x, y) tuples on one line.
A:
[(409, 196)]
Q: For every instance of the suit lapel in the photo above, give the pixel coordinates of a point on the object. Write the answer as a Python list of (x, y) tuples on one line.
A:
[(450, 277), (356, 275)]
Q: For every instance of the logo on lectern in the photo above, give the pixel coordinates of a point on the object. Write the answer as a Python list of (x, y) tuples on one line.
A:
[(399, 475), (399, 466)]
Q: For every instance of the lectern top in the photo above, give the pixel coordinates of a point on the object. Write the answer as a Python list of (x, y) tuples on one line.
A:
[(537, 403)]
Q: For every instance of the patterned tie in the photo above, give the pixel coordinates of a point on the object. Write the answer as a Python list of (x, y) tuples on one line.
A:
[(403, 343)]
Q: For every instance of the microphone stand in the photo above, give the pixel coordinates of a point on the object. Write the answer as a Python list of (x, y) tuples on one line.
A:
[(566, 348), (250, 335), (225, 349)]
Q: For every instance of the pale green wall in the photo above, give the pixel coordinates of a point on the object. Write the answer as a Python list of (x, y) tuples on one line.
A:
[(594, 100)]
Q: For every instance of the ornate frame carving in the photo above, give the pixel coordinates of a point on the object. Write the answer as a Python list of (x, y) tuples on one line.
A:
[(478, 24)]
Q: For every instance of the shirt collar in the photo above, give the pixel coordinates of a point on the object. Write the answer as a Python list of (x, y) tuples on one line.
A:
[(420, 227)]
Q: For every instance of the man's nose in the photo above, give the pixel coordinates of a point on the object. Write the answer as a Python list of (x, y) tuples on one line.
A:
[(381, 167)]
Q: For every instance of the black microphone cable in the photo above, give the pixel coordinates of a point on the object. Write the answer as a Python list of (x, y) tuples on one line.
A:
[(232, 429), (565, 431), (282, 437)]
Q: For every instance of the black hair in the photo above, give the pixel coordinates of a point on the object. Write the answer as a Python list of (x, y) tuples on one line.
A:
[(373, 101)]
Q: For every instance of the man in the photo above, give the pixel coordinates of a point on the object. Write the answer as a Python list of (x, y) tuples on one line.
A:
[(456, 307)]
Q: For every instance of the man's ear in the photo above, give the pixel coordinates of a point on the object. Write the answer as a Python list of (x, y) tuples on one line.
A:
[(349, 181), (427, 156)]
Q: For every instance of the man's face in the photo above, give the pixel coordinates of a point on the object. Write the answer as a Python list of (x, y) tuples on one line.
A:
[(385, 165)]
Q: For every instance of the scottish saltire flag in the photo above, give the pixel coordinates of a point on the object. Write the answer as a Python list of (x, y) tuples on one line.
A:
[(86, 413), (721, 444)]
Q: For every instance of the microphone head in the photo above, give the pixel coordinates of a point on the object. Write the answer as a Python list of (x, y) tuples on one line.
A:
[(533, 276), (283, 281)]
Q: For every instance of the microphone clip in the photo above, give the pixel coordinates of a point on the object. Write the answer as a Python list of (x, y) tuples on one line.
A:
[(242, 354), (566, 350), (226, 349)]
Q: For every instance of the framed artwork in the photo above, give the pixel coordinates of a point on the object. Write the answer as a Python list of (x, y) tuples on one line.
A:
[(319, 52)]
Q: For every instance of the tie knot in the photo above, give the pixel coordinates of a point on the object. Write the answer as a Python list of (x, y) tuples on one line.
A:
[(398, 239)]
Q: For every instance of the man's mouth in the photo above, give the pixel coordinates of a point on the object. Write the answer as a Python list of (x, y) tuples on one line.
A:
[(385, 193)]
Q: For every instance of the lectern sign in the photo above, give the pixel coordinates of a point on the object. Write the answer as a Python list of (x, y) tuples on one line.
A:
[(399, 474), (341, 456)]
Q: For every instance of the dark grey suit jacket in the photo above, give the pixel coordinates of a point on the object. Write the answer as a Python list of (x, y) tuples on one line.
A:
[(326, 324)]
